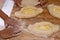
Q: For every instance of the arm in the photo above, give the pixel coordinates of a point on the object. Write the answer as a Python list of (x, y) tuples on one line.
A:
[(14, 26), (4, 33), (3, 15)]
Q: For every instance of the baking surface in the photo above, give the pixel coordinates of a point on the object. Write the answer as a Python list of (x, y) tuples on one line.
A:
[(45, 16)]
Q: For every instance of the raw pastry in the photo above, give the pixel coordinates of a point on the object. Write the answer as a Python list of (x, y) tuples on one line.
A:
[(28, 12), (43, 29), (29, 3), (54, 10)]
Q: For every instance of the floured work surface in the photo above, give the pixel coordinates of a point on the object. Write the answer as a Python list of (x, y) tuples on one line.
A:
[(46, 17)]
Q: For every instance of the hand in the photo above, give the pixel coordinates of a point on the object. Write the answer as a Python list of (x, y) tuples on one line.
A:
[(6, 33), (13, 24), (13, 29), (17, 1)]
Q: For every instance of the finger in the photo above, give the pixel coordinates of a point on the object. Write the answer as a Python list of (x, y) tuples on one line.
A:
[(6, 33), (17, 1)]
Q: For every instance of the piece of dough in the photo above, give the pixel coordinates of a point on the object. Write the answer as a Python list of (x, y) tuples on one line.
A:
[(54, 10), (29, 3), (43, 29), (28, 12)]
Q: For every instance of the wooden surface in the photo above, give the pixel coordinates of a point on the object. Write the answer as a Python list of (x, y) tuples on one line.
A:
[(45, 16)]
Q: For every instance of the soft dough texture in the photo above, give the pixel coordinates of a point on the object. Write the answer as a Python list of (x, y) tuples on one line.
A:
[(29, 3), (28, 12), (54, 10), (43, 29)]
